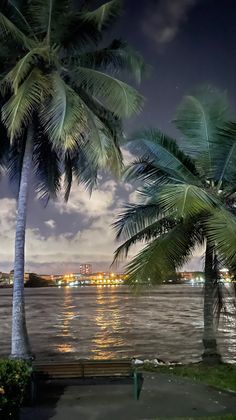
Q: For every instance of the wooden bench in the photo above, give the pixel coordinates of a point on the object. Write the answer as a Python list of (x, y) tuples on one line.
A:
[(88, 369)]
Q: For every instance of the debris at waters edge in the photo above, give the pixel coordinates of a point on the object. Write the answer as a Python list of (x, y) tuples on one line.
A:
[(154, 363)]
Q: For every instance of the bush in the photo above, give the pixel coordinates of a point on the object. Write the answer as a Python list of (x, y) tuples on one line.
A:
[(14, 378)]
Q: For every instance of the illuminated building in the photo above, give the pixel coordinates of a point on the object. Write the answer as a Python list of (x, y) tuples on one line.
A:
[(191, 275), (4, 279), (225, 275), (85, 269)]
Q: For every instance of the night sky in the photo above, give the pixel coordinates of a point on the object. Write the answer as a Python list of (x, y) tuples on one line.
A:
[(187, 43)]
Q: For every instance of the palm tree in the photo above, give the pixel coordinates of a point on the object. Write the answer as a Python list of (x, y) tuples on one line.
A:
[(188, 200), (62, 106)]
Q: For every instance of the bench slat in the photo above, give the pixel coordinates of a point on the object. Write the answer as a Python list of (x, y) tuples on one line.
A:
[(85, 368), (82, 369)]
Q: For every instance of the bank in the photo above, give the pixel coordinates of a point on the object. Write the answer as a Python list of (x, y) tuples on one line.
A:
[(222, 376)]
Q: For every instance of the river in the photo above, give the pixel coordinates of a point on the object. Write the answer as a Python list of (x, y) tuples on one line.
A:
[(108, 323)]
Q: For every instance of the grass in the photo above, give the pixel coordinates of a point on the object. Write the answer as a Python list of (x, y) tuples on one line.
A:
[(222, 376), (229, 417)]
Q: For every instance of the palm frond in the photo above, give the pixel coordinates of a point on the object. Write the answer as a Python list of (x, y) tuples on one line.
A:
[(82, 169), (225, 155), (135, 218), (9, 29), (75, 36), (145, 170), (198, 118), (22, 69), (151, 231), (166, 253), (47, 167), (68, 176), (15, 160), (151, 175), (166, 154), (221, 232), (64, 117), (104, 15), (117, 57), (149, 191), (117, 96), (185, 200), (49, 20), (45, 15), (17, 9), (101, 147), (110, 121), (4, 148), (16, 113)]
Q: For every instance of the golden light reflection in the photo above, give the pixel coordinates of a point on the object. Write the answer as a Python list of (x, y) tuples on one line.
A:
[(108, 321), (67, 317), (64, 348)]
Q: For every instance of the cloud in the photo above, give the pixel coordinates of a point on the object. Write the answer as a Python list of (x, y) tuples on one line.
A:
[(128, 156), (90, 206), (7, 228), (59, 250), (164, 18), (55, 252), (50, 223)]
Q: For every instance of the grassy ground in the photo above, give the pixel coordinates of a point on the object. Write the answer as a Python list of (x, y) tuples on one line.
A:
[(222, 376), (230, 417)]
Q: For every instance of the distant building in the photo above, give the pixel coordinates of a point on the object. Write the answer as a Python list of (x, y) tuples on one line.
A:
[(186, 275), (191, 275), (4, 279), (225, 275), (85, 269), (11, 277)]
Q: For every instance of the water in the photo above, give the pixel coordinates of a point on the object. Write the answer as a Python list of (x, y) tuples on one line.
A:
[(107, 323)]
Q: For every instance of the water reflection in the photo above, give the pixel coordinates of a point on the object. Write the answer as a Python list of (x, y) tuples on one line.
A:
[(227, 336), (108, 324), (111, 323), (64, 324), (64, 348)]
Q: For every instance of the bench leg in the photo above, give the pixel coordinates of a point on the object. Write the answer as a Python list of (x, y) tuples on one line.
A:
[(33, 390), (138, 381)]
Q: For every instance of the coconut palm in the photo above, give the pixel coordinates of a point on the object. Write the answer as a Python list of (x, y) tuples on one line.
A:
[(62, 106), (187, 200)]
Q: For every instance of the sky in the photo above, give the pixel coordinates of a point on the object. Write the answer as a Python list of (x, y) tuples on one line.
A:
[(187, 43)]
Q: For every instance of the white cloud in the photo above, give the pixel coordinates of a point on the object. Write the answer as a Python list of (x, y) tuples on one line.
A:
[(135, 198), (50, 223), (90, 206), (163, 19), (7, 227), (7, 213), (61, 252), (57, 252), (128, 187), (127, 156)]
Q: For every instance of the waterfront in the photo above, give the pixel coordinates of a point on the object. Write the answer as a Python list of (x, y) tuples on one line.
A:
[(100, 322)]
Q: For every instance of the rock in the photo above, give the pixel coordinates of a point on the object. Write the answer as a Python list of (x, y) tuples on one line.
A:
[(138, 362)]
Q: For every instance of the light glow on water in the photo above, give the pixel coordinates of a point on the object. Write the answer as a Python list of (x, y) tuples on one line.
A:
[(102, 323)]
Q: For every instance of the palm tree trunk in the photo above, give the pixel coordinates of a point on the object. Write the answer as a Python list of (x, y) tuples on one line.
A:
[(210, 354), (20, 347)]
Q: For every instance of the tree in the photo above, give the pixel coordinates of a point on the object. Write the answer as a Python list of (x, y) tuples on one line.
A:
[(61, 105), (35, 280), (187, 200)]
